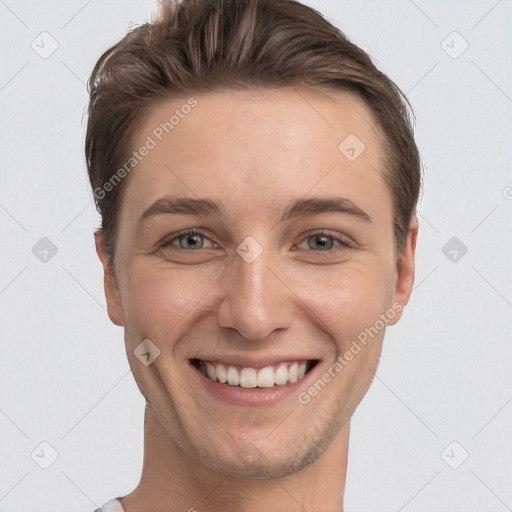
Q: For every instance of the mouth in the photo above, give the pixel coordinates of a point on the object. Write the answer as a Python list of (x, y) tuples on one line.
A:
[(284, 373)]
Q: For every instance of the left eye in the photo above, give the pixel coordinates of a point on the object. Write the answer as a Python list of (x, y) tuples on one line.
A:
[(189, 240), (323, 241)]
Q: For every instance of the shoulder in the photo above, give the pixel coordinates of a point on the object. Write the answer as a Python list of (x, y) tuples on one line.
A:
[(111, 506)]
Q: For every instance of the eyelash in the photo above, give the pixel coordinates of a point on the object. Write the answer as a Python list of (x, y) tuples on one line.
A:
[(167, 242)]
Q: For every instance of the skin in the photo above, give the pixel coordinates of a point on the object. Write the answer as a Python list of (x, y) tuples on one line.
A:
[(254, 152)]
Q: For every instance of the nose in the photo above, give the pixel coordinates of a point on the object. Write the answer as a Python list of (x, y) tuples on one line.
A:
[(255, 299)]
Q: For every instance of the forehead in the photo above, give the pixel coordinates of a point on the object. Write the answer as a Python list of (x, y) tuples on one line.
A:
[(256, 150)]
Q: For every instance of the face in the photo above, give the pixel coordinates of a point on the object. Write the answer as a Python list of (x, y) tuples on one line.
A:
[(250, 238)]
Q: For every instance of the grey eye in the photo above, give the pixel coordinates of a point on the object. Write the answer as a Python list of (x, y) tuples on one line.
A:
[(324, 242), (191, 241)]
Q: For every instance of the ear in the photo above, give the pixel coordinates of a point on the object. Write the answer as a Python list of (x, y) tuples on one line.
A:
[(114, 308), (405, 271)]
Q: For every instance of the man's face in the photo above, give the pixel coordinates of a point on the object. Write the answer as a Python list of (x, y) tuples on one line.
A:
[(252, 289)]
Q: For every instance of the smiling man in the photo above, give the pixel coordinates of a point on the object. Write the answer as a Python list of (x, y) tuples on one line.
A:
[(257, 179)]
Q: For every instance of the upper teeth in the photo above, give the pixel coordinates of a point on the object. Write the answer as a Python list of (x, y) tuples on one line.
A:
[(265, 377)]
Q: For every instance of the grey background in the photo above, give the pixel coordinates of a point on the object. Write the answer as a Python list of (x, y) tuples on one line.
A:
[(445, 370)]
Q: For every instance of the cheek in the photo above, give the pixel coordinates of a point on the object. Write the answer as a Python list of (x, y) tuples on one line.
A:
[(158, 300), (347, 300), (347, 307)]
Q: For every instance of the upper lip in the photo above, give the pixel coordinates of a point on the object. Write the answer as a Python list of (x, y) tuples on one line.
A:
[(251, 362)]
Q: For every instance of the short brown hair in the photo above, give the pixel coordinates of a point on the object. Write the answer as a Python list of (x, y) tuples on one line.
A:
[(207, 45)]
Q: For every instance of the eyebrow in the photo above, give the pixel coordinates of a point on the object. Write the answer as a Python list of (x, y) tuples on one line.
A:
[(317, 205), (183, 206), (209, 208)]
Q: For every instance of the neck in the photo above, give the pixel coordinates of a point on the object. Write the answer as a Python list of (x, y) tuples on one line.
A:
[(171, 481)]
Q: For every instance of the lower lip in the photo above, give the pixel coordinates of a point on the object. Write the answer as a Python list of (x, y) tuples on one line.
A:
[(236, 395)]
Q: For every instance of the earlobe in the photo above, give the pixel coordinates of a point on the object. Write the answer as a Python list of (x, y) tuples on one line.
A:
[(114, 307), (405, 271)]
